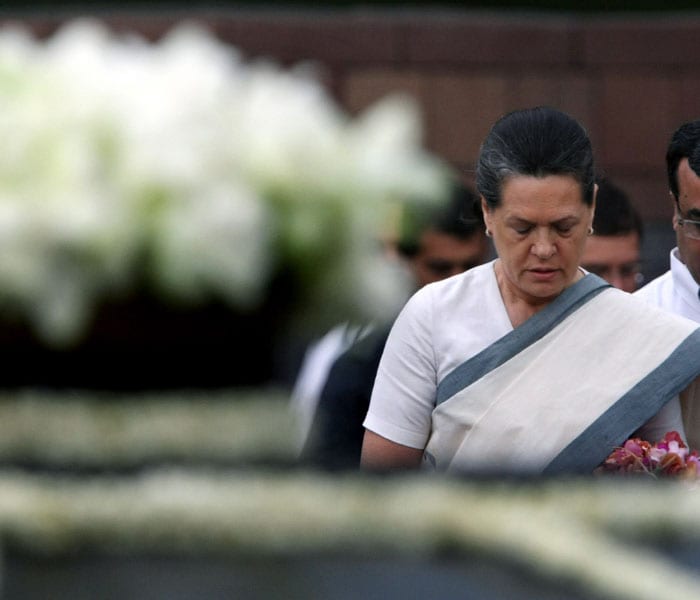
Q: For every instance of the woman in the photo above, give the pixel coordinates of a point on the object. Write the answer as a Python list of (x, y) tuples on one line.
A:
[(527, 363)]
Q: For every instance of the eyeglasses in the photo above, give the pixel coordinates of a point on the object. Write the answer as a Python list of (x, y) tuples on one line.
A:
[(691, 229)]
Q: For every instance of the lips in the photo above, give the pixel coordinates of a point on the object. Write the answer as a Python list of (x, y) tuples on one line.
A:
[(543, 273)]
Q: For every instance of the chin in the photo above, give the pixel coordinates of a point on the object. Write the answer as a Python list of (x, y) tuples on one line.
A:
[(545, 291)]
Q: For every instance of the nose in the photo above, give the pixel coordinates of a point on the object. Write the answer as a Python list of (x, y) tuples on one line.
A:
[(543, 247)]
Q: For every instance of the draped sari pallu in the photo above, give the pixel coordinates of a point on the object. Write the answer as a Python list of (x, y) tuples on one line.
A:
[(558, 393)]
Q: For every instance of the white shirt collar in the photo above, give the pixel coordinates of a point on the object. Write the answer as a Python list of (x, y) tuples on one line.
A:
[(683, 281)]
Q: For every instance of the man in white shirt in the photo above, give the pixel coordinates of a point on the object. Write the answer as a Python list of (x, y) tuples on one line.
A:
[(678, 290)]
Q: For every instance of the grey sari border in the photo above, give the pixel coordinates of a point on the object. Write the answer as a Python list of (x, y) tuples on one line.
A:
[(505, 348), (631, 411)]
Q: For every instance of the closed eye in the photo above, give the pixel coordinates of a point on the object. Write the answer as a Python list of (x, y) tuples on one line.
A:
[(565, 226)]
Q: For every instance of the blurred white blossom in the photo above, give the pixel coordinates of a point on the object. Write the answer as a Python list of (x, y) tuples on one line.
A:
[(179, 166)]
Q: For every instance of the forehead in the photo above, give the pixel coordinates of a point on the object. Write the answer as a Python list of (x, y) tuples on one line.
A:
[(552, 196)]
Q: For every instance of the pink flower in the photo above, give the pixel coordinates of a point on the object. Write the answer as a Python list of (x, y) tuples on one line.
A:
[(668, 457), (636, 446)]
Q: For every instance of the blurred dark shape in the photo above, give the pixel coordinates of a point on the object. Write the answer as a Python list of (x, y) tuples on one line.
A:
[(143, 344)]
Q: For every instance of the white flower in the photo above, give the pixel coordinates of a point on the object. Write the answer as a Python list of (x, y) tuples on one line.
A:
[(215, 239), (177, 165)]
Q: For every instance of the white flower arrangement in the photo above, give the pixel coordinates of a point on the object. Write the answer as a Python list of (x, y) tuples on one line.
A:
[(179, 166)]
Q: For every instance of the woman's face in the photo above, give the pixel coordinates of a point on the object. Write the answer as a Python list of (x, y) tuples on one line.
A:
[(539, 232)]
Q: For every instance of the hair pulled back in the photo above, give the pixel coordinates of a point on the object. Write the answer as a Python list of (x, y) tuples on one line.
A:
[(537, 142)]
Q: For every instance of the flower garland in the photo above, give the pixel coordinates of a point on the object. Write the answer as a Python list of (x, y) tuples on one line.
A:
[(670, 456), (182, 168)]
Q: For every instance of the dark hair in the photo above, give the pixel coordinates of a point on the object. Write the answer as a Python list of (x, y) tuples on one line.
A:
[(538, 142), (457, 216), (614, 213), (685, 143)]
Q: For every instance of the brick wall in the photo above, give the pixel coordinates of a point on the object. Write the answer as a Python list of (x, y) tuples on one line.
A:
[(630, 80)]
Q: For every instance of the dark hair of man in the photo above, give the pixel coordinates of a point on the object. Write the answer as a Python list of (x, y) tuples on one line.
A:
[(536, 142), (457, 217), (685, 143), (614, 213)]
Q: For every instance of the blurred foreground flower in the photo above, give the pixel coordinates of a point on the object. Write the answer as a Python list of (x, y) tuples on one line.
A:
[(178, 168)]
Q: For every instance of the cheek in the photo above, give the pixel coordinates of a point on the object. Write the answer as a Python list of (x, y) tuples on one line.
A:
[(690, 249), (576, 242), (514, 252), (576, 252)]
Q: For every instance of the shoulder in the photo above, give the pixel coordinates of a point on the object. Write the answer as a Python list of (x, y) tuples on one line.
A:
[(439, 305), (466, 288), (451, 319), (657, 290), (649, 308)]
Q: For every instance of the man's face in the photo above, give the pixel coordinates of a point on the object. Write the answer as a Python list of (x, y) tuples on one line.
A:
[(442, 255), (689, 205), (615, 258)]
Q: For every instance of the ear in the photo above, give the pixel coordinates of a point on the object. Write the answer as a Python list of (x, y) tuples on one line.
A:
[(676, 214), (486, 211)]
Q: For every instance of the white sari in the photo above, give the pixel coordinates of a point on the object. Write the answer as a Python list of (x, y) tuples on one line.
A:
[(558, 393)]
